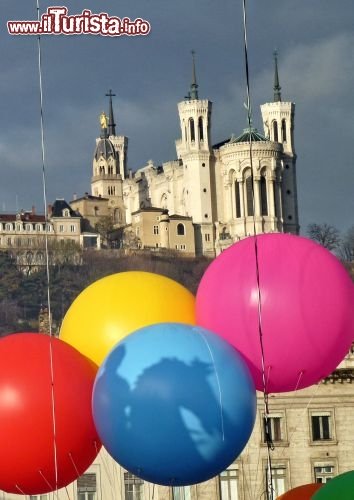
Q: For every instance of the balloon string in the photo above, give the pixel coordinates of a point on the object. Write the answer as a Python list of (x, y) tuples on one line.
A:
[(45, 479), (74, 465), (47, 253), (19, 489), (218, 384), (269, 443), (67, 493), (107, 470)]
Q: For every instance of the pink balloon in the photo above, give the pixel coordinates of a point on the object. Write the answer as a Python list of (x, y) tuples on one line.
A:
[(307, 308)]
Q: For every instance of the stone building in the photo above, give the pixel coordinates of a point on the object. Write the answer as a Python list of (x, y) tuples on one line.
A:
[(227, 192), (24, 233)]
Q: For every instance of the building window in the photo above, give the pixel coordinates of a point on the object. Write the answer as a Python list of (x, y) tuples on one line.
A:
[(237, 199), (182, 247), (321, 426), (264, 201), (18, 227), (191, 129), (72, 228), (181, 493), (275, 131), (283, 130), (278, 480), (323, 473), (86, 487), (207, 237), (200, 129), (249, 196), (180, 230), (66, 212), (273, 429), (156, 230), (8, 227), (9, 243), (133, 487), (39, 497), (61, 228), (229, 489)]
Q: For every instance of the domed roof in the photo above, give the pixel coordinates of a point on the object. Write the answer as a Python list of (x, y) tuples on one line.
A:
[(104, 148), (247, 134)]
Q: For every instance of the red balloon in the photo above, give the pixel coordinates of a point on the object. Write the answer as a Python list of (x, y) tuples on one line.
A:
[(304, 492), (27, 456)]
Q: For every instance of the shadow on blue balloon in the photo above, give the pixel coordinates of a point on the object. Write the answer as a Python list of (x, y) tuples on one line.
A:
[(167, 424)]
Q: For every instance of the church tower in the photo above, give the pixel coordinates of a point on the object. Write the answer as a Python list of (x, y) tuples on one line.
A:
[(278, 123), (109, 165), (194, 153)]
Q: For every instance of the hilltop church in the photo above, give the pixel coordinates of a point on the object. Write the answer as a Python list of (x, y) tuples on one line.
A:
[(210, 195)]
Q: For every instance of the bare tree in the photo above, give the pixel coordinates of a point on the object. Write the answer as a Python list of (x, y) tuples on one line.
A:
[(325, 234), (347, 247)]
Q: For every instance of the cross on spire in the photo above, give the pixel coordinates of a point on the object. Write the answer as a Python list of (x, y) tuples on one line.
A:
[(111, 124)]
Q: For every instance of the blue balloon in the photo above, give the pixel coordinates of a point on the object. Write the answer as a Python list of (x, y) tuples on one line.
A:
[(174, 404)]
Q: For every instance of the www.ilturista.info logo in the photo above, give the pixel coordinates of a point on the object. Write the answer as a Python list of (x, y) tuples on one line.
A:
[(56, 21)]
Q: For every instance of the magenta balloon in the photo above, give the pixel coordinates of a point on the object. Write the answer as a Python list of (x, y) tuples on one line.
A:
[(307, 306)]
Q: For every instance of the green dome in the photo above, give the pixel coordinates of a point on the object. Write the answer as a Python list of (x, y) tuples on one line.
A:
[(247, 133)]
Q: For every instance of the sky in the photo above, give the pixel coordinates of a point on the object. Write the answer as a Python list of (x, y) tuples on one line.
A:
[(150, 75)]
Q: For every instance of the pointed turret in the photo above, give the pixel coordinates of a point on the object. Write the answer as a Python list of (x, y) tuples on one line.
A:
[(111, 124), (277, 87), (193, 93)]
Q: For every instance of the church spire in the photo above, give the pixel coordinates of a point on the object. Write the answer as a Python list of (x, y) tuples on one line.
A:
[(111, 124), (277, 87), (193, 94)]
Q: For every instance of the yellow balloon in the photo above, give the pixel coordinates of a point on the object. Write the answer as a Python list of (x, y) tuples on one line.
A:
[(115, 306)]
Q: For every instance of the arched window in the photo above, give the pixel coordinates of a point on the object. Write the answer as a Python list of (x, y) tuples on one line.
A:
[(118, 164), (283, 130), (191, 129), (249, 196), (8, 227), (264, 200), (200, 129), (275, 131), (180, 230), (237, 199)]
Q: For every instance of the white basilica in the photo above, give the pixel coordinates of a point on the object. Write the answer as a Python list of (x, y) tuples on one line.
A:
[(210, 195)]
